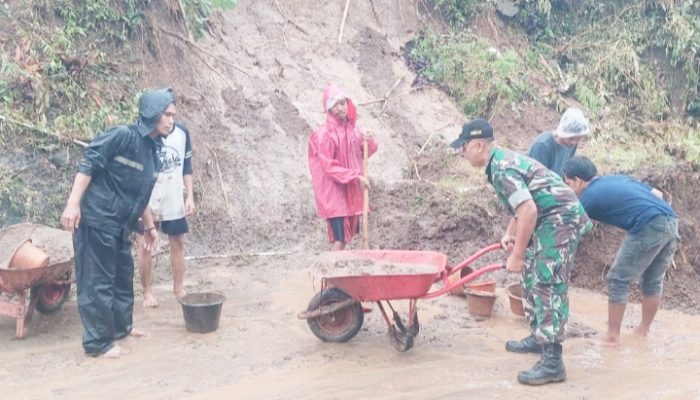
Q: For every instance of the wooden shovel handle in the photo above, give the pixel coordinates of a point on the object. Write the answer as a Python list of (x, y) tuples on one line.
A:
[(365, 205)]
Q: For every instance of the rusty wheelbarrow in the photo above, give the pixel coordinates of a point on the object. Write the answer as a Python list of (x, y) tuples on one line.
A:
[(335, 313), (47, 286)]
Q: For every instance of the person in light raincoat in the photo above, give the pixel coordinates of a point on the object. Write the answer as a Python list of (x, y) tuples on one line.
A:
[(335, 162)]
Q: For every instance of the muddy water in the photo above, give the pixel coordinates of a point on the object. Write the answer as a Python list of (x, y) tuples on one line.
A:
[(261, 351)]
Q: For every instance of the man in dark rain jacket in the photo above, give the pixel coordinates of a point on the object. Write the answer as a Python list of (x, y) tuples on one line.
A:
[(110, 192)]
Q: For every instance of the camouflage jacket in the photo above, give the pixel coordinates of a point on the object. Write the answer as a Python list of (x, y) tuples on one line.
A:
[(517, 178)]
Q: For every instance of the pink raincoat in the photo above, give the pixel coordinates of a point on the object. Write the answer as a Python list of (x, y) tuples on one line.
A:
[(335, 161)]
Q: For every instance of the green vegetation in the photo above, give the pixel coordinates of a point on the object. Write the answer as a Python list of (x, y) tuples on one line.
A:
[(634, 66), (60, 80), (457, 12), (63, 77), (65, 74), (480, 77), (691, 145)]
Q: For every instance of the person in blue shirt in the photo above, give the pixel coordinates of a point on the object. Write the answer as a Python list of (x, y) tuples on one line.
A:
[(554, 148), (647, 251)]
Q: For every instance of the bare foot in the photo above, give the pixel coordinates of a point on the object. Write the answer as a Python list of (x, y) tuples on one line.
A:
[(609, 341), (149, 300), (137, 333), (179, 293), (115, 352), (642, 333)]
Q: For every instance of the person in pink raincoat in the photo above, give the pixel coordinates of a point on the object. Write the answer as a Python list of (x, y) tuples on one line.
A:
[(335, 161)]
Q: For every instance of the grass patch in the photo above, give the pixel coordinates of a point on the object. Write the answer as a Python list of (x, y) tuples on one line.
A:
[(479, 77)]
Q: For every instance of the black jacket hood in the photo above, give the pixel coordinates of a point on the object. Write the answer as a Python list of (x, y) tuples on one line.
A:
[(152, 105)]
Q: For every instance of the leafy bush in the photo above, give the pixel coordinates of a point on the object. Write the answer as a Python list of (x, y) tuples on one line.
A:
[(477, 75), (457, 12)]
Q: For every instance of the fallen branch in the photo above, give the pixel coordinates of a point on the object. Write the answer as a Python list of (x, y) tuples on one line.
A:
[(289, 20), (39, 130), (388, 93), (365, 103), (184, 19), (342, 22), (685, 260), (415, 167), (374, 12), (194, 46), (386, 96), (431, 136), (221, 178), (546, 65), (284, 37)]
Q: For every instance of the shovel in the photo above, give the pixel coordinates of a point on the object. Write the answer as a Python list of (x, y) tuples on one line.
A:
[(365, 205)]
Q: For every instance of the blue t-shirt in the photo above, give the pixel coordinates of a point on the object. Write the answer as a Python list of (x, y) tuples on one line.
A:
[(551, 154), (623, 202)]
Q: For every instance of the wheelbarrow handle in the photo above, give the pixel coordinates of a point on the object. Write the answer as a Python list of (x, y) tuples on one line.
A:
[(473, 257), (462, 281)]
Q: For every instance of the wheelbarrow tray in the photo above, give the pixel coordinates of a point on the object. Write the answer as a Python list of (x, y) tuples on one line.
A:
[(56, 243), (384, 286), (13, 280)]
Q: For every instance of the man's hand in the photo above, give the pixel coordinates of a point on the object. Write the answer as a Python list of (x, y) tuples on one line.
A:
[(70, 219), (150, 240), (508, 241), (363, 181), (514, 263), (189, 205)]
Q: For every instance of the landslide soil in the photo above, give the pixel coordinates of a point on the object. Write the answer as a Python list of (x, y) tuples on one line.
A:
[(250, 109)]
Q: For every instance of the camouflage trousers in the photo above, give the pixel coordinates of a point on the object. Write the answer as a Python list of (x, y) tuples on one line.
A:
[(546, 286)]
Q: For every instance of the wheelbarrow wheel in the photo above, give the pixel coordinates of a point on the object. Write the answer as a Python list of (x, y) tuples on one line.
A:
[(51, 297), (402, 341), (340, 325), (415, 328)]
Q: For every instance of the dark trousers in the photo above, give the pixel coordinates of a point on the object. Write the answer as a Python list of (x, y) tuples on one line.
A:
[(104, 271)]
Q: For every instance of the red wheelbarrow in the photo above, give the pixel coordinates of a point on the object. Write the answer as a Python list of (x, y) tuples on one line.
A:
[(48, 286), (336, 315)]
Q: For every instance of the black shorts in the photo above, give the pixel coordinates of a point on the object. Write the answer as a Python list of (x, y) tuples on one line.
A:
[(171, 228), (343, 229), (337, 228)]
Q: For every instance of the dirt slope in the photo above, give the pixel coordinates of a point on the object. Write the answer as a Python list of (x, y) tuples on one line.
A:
[(257, 127)]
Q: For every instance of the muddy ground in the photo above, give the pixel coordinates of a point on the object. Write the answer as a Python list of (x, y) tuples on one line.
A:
[(262, 351), (250, 117)]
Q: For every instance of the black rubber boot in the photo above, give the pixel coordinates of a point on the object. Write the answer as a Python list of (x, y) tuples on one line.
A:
[(527, 345), (549, 369)]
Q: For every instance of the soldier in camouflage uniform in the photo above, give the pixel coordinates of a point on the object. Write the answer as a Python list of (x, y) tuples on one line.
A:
[(543, 236)]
